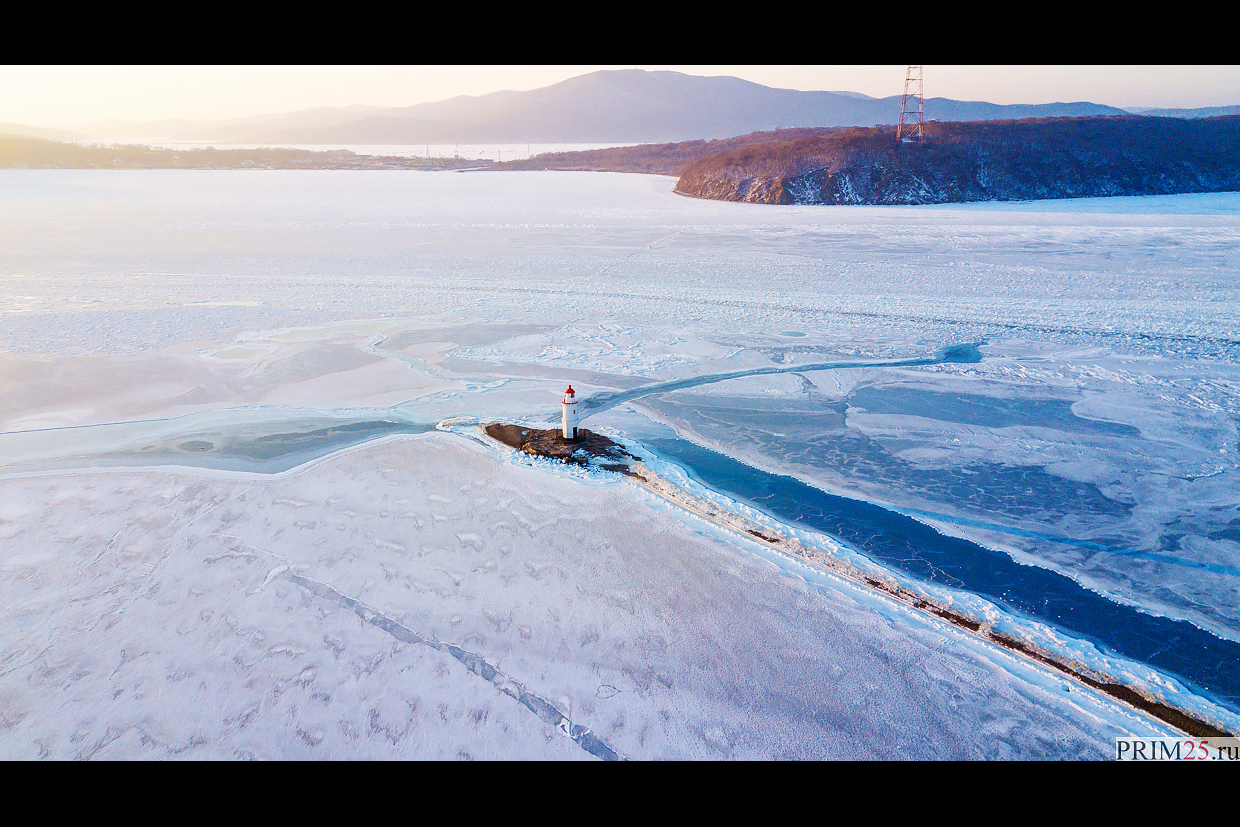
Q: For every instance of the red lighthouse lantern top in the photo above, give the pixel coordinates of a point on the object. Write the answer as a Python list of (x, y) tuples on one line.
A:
[(570, 391)]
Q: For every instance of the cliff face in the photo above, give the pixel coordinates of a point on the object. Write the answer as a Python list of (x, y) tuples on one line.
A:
[(982, 161)]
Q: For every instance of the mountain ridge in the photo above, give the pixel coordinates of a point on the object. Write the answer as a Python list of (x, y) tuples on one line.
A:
[(634, 106), (608, 106)]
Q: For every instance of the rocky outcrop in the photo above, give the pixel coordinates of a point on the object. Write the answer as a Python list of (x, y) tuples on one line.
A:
[(588, 450), (982, 161)]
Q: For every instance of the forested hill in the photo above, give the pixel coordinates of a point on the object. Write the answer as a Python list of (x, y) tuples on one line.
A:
[(657, 159), (978, 161)]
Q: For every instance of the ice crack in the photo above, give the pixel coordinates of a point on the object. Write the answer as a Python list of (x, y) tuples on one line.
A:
[(472, 661), (961, 353)]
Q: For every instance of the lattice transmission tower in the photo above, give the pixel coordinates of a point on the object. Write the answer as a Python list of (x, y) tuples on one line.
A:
[(909, 129)]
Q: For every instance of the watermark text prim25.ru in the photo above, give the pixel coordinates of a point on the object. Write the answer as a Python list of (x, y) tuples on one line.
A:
[(1177, 749)]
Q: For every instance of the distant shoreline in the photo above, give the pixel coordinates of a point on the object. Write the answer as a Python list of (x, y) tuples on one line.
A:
[(21, 152), (960, 162)]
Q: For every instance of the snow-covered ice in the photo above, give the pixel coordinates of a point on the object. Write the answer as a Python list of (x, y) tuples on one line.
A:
[(147, 614), (181, 316)]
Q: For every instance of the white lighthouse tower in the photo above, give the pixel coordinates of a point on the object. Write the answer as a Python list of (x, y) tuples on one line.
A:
[(569, 406)]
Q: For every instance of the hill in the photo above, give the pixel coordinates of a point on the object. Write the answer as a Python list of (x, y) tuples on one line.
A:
[(616, 106), (980, 161), (658, 159)]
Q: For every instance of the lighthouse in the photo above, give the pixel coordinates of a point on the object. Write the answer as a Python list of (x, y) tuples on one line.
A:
[(569, 407)]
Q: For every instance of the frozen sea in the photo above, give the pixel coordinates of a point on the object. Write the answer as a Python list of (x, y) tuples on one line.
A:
[(245, 509)]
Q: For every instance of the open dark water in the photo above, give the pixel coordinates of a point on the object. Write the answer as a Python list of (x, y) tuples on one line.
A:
[(1209, 663)]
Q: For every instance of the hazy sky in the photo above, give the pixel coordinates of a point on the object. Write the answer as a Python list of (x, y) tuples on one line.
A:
[(66, 95)]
